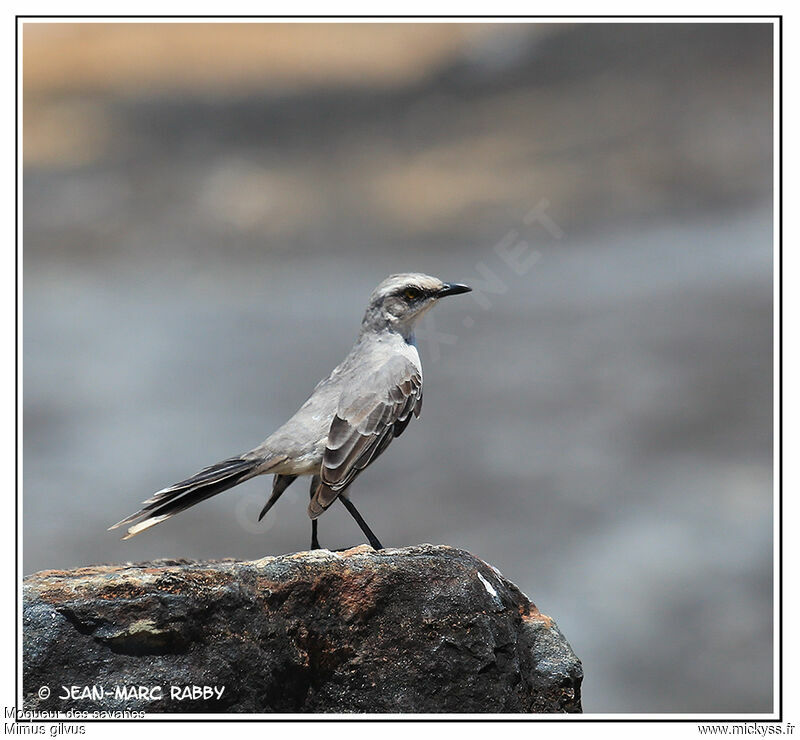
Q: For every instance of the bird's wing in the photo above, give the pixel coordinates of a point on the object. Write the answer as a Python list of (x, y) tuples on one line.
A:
[(366, 421)]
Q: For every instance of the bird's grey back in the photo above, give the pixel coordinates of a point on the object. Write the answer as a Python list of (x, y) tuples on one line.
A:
[(302, 439)]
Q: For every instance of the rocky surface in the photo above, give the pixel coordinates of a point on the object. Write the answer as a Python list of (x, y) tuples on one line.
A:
[(418, 629)]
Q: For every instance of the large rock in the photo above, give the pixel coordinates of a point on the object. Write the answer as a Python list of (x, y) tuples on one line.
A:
[(417, 629)]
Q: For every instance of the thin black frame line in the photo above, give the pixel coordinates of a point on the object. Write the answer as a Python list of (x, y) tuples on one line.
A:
[(321, 717), (17, 574), (331, 17), (398, 717), (779, 195)]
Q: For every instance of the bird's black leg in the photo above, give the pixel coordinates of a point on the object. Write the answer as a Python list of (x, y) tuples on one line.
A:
[(314, 541), (279, 484), (373, 540)]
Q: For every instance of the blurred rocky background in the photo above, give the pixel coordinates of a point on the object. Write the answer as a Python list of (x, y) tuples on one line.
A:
[(206, 208)]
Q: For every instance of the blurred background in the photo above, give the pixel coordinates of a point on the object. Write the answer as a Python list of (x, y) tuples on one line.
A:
[(207, 207)]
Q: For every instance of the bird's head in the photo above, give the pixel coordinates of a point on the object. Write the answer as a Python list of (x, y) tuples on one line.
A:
[(401, 300)]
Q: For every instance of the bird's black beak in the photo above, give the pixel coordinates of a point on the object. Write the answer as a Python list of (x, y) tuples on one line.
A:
[(453, 289)]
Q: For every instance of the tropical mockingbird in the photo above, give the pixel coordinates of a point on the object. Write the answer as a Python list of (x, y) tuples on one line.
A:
[(349, 420)]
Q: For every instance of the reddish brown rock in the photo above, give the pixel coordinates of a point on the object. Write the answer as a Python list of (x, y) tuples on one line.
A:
[(417, 629)]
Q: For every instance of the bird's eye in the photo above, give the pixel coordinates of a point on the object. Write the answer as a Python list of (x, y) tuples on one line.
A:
[(412, 294)]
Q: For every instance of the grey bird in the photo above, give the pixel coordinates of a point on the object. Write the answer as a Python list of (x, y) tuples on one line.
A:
[(348, 421)]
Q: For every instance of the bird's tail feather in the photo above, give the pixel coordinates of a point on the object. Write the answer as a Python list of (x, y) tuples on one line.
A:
[(202, 485)]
